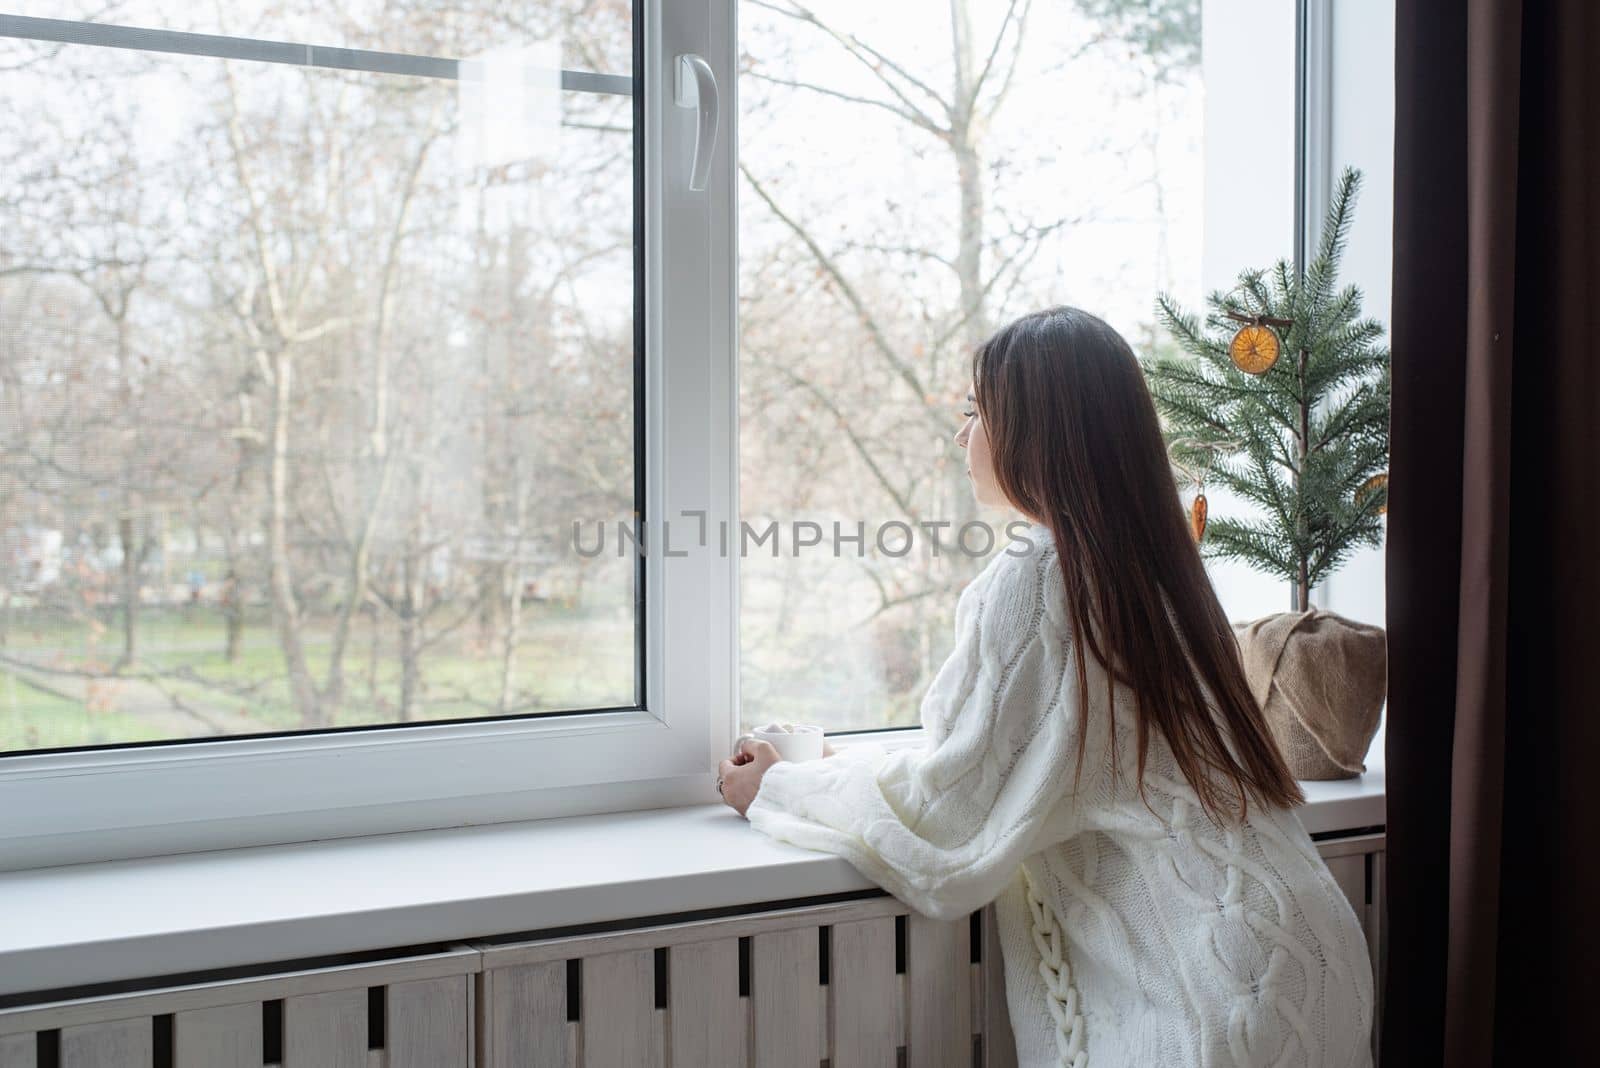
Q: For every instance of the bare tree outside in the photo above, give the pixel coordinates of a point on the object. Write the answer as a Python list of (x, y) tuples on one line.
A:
[(915, 175), (304, 374), (308, 370)]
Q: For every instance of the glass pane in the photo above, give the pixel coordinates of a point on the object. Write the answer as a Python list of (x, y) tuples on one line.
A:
[(594, 35), (300, 373), (914, 177), (1249, 212)]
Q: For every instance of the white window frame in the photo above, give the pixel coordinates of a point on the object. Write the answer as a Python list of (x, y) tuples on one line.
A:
[(78, 806)]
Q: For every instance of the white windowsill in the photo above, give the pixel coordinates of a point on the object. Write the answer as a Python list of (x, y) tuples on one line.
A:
[(94, 923)]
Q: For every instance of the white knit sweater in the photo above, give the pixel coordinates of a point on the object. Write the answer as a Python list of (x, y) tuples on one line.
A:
[(1133, 936)]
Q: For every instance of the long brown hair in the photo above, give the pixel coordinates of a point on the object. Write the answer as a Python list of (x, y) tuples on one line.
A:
[(1077, 445)]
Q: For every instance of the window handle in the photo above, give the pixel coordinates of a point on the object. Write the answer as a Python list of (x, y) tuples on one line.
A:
[(696, 87)]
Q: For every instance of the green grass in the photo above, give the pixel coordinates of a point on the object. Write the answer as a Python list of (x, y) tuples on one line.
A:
[(564, 660), (31, 718)]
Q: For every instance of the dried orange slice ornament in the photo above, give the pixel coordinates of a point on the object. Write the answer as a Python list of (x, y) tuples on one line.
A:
[(1254, 349), (1377, 483)]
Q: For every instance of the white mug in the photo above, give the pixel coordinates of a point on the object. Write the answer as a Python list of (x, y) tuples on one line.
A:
[(793, 741)]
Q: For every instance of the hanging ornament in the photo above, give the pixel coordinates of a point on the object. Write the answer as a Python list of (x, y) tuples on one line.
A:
[(1378, 483), (1255, 348), (1197, 516)]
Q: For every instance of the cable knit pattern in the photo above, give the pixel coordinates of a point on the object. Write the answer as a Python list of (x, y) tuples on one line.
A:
[(1155, 936), (1057, 976)]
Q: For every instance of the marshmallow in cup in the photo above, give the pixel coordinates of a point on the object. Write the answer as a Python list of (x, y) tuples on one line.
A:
[(793, 741)]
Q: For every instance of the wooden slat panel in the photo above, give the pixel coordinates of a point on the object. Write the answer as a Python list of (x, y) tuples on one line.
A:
[(825, 1025), (706, 1017), (1372, 919), (177, 999), (939, 987), (975, 981), (864, 989), (1354, 843), (426, 1025), (1375, 945), (117, 1044), (19, 1051), (228, 1036), (1350, 872), (618, 1011), (1356, 873), (525, 1010), (787, 999), (679, 934), (902, 1016), (326, 1030), (999, 1046)]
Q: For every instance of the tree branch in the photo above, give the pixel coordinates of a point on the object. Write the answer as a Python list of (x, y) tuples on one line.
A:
[(880, 341), (994, 49), (916, 118), (869, 57)]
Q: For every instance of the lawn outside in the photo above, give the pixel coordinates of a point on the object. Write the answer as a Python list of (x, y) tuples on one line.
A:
[(60, 685)]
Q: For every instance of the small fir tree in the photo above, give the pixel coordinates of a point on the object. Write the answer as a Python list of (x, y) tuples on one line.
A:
[(1296, 422)]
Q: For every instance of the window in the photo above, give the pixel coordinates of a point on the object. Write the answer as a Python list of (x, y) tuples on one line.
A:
[(306, 345), (336, 337), (912, 178), (351, 352)]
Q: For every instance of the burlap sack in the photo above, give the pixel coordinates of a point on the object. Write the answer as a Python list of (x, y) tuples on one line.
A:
[(1321, 679)]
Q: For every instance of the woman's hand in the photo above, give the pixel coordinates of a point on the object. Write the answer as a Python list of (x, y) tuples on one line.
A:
[(739, 779)]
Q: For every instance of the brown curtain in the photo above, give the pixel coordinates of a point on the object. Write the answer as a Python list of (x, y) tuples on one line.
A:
[(1493, 567)]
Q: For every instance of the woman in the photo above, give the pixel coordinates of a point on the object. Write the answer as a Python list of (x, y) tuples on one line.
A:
[(1093, 761)]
